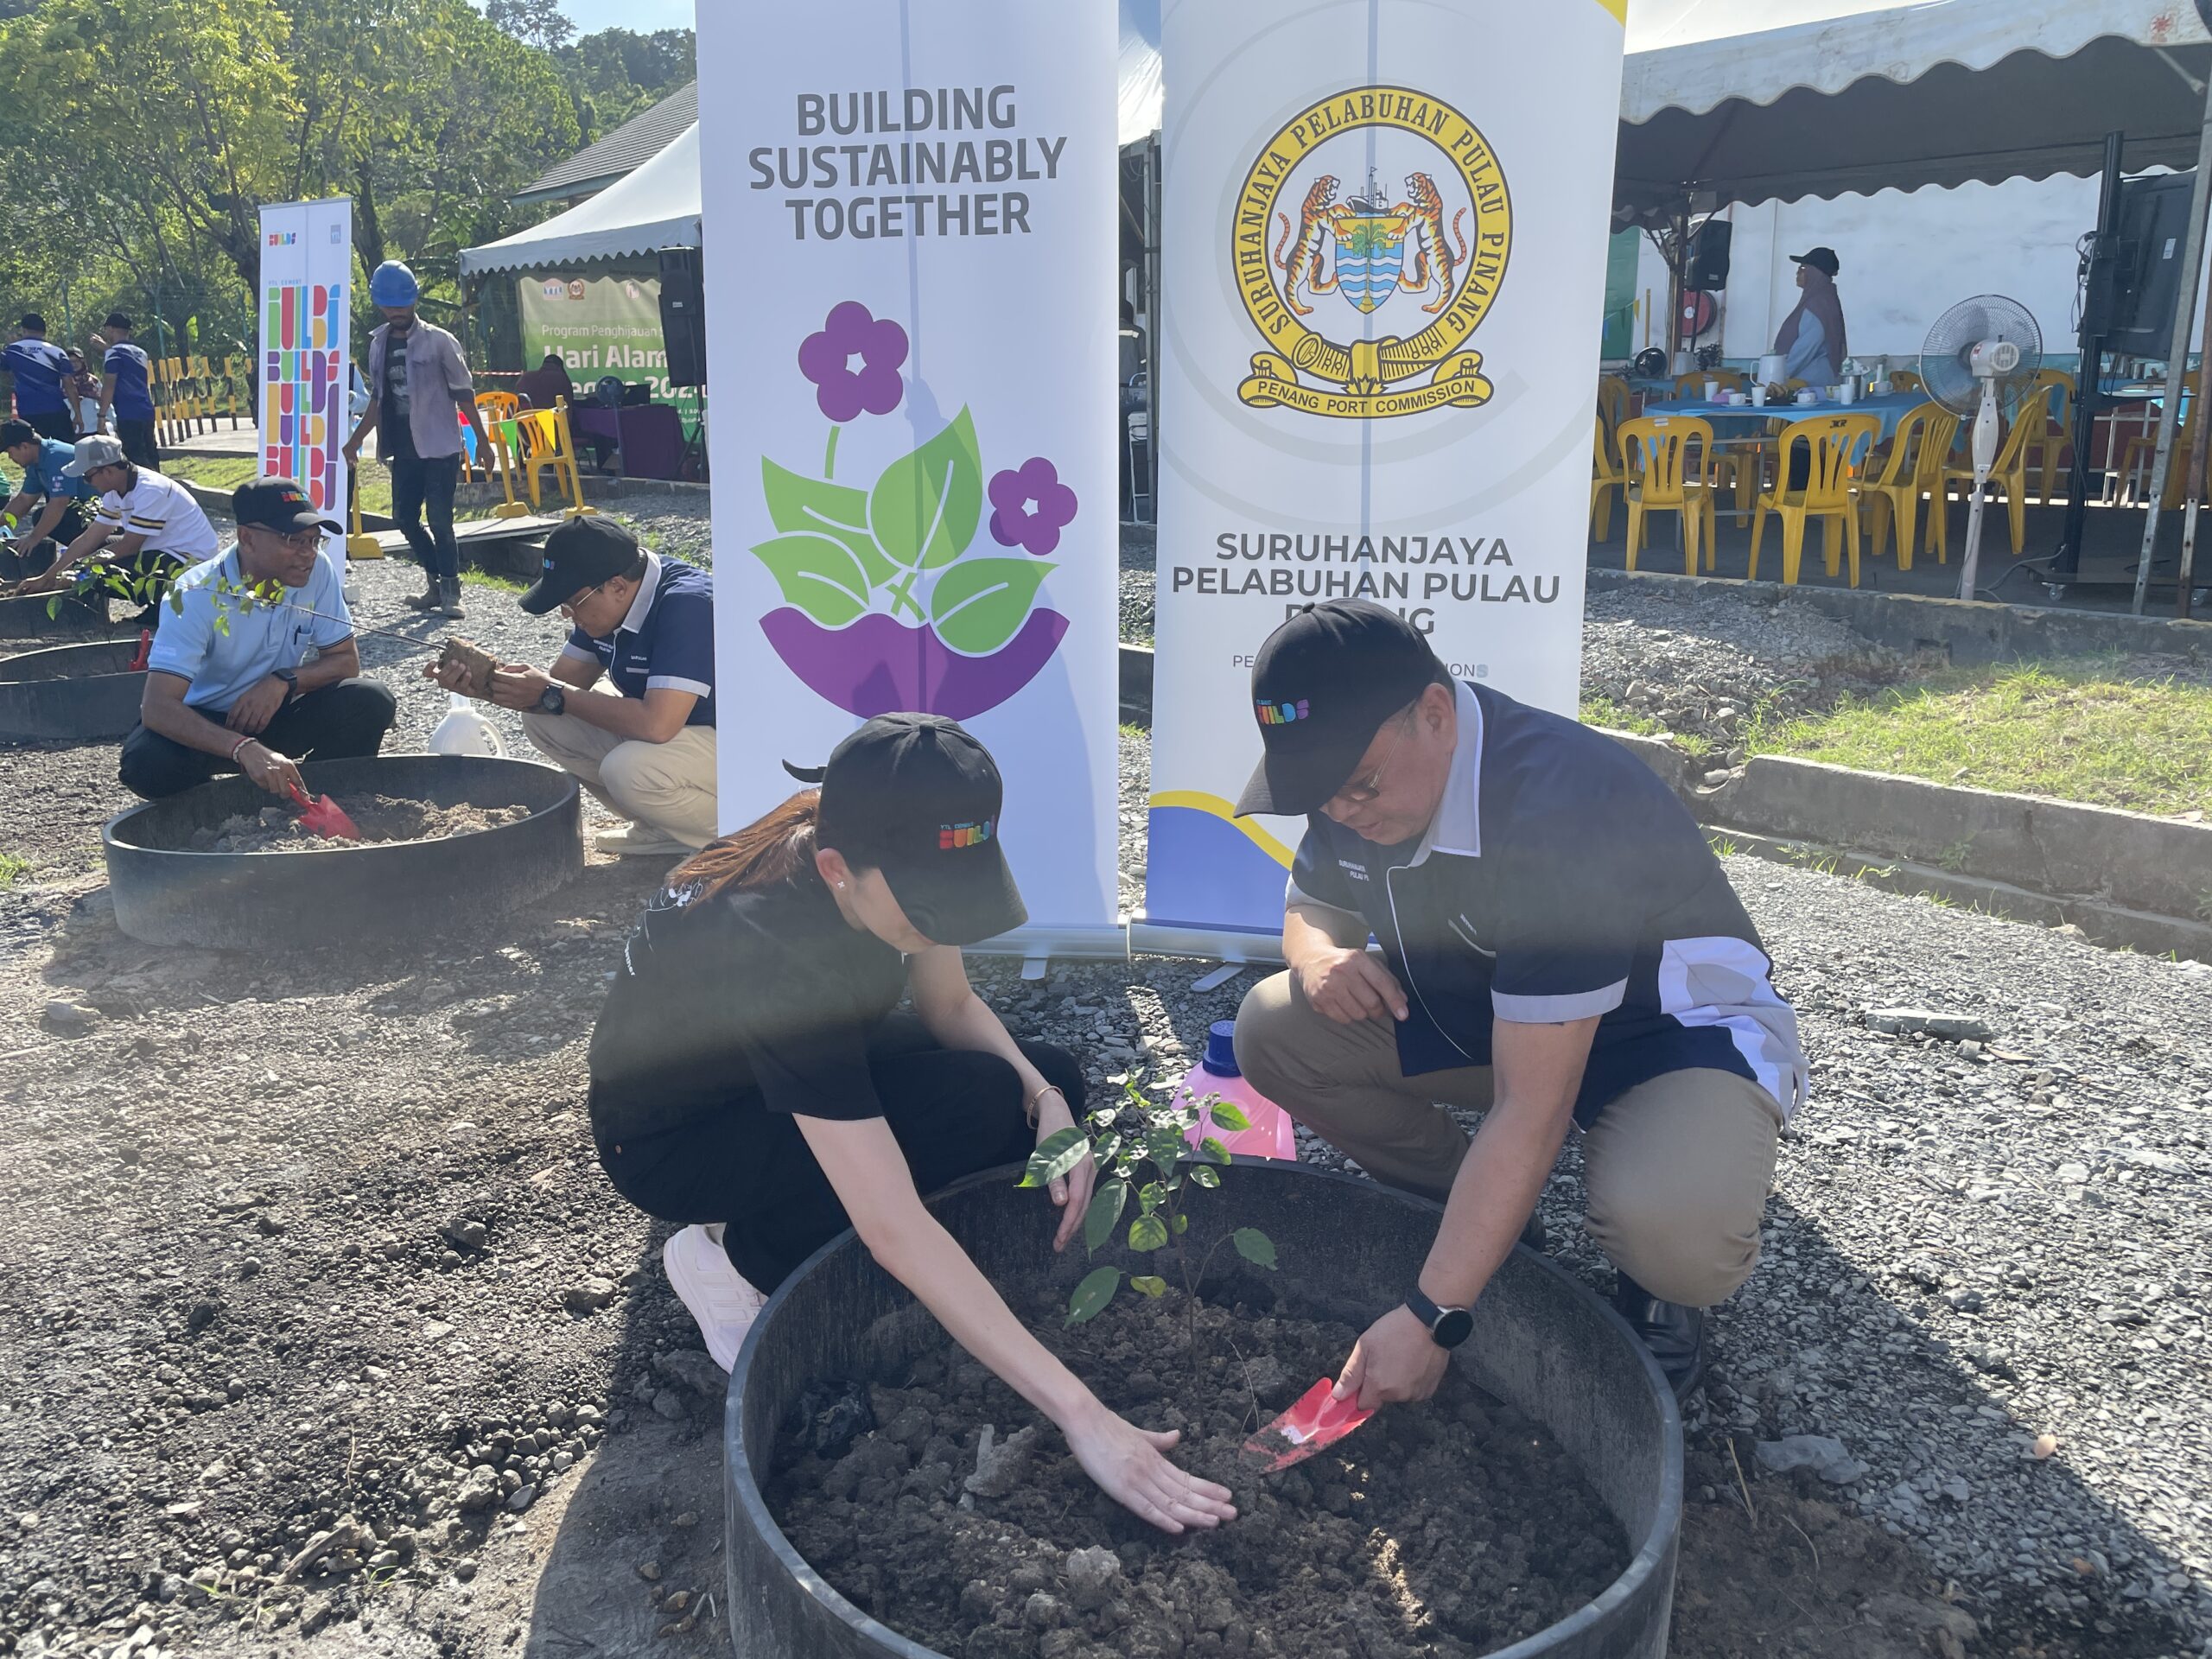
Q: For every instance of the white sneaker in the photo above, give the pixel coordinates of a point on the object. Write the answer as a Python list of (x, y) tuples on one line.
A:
[(636, 840), (720, 1300)]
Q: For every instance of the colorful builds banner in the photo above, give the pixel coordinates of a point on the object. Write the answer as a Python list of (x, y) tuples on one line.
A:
[(1384, 247), (307, 273), (910, 256)]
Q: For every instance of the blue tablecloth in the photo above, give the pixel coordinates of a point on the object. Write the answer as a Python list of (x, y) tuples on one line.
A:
[(1890, 409)]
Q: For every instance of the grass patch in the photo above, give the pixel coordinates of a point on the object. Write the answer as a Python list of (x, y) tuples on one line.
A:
[(1604, 711), (226, 473), (2081, 731), (13, 869), (492, 579)]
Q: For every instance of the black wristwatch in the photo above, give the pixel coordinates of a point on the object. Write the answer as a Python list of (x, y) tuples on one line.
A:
[(291, 678), (1447, 1326), (553, 700)]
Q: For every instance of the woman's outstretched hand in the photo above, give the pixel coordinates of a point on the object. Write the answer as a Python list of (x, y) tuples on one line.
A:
[(1071, 1192), (1131, 1466)]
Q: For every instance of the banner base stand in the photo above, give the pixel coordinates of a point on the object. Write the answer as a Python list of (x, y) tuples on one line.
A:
[(1217, 944), (1037, 946)]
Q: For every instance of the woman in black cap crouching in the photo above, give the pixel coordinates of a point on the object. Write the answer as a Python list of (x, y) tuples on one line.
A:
[(750, 1079)]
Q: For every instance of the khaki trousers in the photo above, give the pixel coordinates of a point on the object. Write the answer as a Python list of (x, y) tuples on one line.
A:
[(668, 787), (1676, 1169)]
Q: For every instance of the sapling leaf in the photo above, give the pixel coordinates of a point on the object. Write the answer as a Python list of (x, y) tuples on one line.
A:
[(1163, 1146), (1182, 1225), (1105, 1212), (1092, 1296), (1254, 1246), (1148, 1233), (1104, 1151), (1205, 1175), (1151, 1285), (1228, 1114), (1212, 1151), (1153, 1196), (1056, 1154)]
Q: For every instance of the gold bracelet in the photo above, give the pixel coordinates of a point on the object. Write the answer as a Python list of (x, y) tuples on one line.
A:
[(1030, 1105)]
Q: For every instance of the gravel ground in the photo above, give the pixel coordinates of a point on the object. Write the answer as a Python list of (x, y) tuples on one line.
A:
[(302, 1238)]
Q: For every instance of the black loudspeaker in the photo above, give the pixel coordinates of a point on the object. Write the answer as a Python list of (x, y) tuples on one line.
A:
[(635, 392), (1709, 255), (683, 316), (2153, 226)]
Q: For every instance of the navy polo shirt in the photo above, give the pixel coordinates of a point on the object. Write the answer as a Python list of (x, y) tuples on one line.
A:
[(38, 368), (134, 399), (1560, 879), (667, 639)]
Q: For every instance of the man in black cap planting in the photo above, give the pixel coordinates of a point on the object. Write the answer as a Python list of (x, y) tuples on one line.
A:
[(1559, 949), (229, 686), (646, 624)]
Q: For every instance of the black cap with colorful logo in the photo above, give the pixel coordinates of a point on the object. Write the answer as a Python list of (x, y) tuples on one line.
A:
[(581, 554), (279, 504), (917, 797), (1322, 686)]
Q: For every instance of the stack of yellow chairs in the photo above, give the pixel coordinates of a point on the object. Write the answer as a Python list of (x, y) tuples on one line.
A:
[(1832, 445), (1912, 471), (2009, 471)]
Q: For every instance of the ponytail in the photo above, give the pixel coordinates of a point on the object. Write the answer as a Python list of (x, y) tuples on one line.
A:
[(766, 853)]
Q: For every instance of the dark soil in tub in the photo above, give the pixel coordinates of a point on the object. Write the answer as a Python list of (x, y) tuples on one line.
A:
[(1436, 1531), (380, 818)]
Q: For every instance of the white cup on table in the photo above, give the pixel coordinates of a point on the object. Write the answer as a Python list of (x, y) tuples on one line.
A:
[(1713, 391), (1759, 396)]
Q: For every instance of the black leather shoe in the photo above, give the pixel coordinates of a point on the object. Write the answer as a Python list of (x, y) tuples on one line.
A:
[(1675, 1334)]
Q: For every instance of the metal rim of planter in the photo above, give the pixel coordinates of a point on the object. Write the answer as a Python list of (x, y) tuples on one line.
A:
[(80, 693), (166, 894), (1644, 1589)]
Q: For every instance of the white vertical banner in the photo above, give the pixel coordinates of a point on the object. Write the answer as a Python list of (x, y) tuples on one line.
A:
[(1385, 232), (307, 280), (910, 224)]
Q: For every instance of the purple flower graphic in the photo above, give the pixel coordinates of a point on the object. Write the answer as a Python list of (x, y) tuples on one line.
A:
[(1030, 507), (842, 391)]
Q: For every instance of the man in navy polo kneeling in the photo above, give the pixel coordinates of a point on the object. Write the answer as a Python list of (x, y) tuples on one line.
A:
[(645, 624), (229, 684), (1559, 949)]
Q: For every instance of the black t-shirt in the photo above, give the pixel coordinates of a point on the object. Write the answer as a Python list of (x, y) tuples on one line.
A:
[(395, 427), (761, 1000)]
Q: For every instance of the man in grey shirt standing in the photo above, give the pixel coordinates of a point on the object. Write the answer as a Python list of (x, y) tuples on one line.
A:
[(417, 379)]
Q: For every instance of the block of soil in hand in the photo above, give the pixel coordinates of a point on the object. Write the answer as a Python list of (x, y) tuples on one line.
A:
[(474, 663)]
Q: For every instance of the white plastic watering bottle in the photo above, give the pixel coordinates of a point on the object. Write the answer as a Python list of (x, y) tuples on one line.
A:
[(1272, 1134), (465, 731)]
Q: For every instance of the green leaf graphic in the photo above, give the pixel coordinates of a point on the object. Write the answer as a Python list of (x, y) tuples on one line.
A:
[(923, 510), (820, 576), (1093, 1294), (980, 604), (816, 506)]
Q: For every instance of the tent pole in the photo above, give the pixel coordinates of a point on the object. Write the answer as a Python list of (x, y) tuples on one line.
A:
[(2096, 315), (2200, 198), (2199, 455)]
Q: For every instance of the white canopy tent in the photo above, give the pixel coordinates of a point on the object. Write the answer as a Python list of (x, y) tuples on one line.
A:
[(1864, 95), (656, 206)]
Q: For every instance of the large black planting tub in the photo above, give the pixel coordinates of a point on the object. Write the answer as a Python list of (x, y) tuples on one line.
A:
[(344, 893), (73, 618), (70, 693), (1542, 1343)]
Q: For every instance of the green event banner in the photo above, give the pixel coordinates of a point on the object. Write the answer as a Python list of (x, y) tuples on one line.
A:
[(599, 325)]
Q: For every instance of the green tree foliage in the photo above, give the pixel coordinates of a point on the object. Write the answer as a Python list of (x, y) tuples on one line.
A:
[(145, 136), (537, 23), (617, 73)]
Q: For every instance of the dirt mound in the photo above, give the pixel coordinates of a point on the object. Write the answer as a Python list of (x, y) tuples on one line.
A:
[(380, 818)]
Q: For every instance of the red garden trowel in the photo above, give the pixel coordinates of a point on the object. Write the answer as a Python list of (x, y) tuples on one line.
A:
[(324, 816), (1318, 1419), (145, 653)]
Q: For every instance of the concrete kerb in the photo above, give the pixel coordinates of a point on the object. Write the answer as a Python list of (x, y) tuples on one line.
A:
[(2124, 878)]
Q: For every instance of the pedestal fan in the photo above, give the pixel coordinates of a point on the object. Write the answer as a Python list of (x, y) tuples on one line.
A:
[(1981, 352)]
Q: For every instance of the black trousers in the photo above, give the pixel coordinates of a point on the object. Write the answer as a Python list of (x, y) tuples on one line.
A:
[(56, 423), (333, 722), (953, 1112), (420, 487), (138, 443)]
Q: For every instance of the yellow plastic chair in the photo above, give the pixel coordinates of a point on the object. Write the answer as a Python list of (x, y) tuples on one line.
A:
[(547, 446), (1893, 497), (2010, 471), (1606, 475), (2044, 448), (1832, 444), (492, 406), (2139, 459), (1692, 385), (1655, 450), (1616, 401), (1904, 380)]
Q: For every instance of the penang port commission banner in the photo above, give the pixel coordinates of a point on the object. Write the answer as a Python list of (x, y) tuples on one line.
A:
[(910, 227), (307, 274), (1384, 232)]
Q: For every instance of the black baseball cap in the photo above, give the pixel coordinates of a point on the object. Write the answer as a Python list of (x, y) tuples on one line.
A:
[(31, 323), (117, 320), (916, 797), (279, 504), (1819, 258), (583, 553), (1322, 686)]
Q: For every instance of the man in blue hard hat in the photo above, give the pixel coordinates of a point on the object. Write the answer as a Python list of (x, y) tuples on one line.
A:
[(417, 379)]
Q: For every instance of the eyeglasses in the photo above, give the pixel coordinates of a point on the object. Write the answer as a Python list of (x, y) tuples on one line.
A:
[(299, 540), (1359, 791), (567, 606)]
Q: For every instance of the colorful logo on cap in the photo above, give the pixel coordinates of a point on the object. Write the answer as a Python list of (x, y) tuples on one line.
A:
[(1282, 714), (950, 835)]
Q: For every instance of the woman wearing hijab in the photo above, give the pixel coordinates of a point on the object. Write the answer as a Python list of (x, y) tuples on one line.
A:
[(1811, 340), (750, 1079)]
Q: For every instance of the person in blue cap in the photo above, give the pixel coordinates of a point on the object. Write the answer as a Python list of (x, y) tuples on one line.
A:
[(417, 379)]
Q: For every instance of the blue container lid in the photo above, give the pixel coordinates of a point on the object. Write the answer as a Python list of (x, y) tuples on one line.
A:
[(1221, 1050)]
